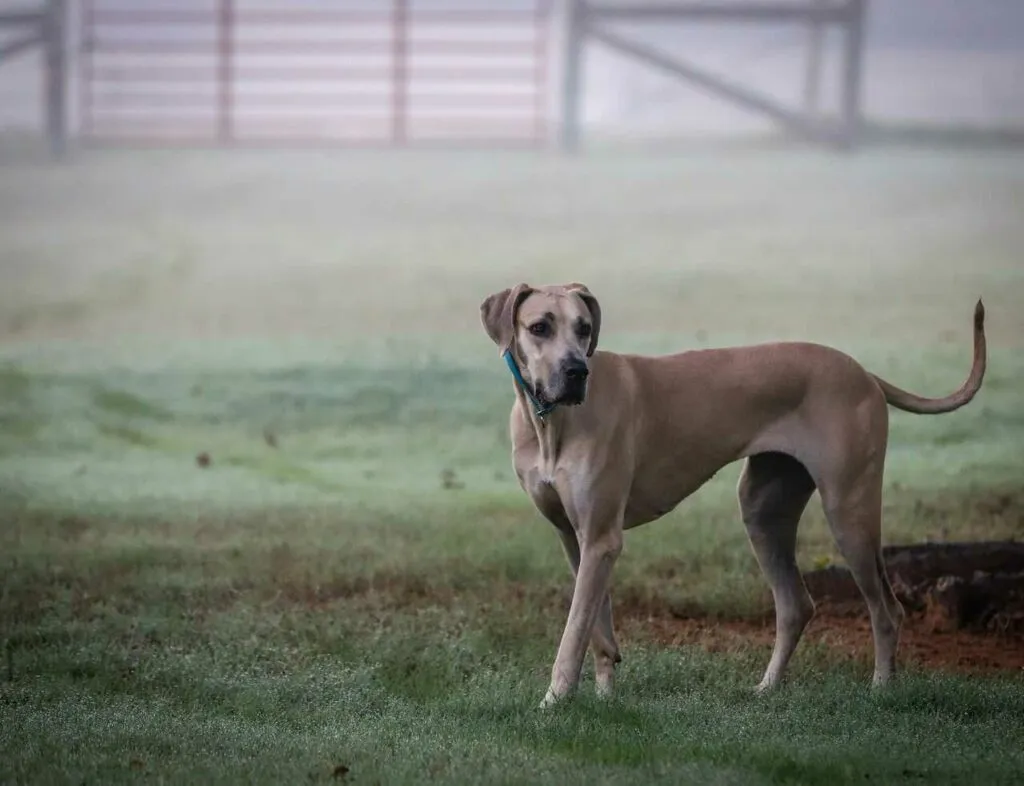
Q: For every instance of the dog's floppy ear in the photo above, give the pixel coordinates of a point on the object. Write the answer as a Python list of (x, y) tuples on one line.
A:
[(498, 314), (595, 313)]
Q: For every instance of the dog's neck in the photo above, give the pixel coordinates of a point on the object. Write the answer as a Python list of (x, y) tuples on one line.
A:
[(549, 428), (548, 420)]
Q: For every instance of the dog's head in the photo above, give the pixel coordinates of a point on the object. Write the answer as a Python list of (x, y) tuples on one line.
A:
[(551, 332)]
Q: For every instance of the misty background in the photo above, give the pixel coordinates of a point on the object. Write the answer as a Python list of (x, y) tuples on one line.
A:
[(926, 61)]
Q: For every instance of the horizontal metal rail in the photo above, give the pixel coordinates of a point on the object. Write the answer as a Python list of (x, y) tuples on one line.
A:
[(19, 45), (183, 74), (720, 12), (269, 102), (135, 16), (21, 18), (456, 47)]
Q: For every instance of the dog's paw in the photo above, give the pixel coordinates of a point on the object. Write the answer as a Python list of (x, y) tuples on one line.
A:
[(549, 700), (763, 688)]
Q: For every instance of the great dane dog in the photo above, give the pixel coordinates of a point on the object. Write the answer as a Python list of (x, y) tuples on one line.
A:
[(603, 442)]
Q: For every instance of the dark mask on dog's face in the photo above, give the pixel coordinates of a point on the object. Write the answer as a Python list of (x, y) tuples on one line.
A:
[(552, 332)]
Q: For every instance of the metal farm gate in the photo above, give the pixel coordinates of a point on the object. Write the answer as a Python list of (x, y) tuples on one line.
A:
[(298, 71)]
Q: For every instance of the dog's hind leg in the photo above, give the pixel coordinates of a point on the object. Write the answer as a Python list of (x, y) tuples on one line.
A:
[(854, 513), (773, 492)]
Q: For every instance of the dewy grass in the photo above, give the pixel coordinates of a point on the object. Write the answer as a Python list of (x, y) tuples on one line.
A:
[(272, 694), (285, 645), (353, 588)]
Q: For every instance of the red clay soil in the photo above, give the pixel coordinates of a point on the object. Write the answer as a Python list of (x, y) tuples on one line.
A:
[(847, 631)]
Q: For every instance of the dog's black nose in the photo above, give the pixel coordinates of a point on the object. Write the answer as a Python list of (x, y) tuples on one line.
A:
[(576, 371)]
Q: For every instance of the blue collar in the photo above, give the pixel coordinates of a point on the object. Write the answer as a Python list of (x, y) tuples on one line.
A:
[(539, 409)]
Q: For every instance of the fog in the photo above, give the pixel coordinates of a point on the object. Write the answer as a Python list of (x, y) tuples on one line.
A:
[(926, 61)]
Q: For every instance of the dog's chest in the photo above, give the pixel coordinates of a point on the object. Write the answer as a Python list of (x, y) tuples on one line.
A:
[(534, 473), (554, 476), (543, 491), (549, 483), (536, 466)]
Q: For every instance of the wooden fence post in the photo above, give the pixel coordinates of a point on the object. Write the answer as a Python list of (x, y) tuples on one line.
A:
[(226, 72), (853, 64), (54, 27), (572, 76), (812, 74), (400, 72)]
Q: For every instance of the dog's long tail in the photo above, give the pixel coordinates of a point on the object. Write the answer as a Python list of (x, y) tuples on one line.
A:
[(910, 402)]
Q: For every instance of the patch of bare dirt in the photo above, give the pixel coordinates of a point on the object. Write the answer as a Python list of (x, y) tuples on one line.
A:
[(845, 629), (842, 626)]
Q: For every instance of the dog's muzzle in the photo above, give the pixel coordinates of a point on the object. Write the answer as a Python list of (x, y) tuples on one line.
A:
[(574, 388)]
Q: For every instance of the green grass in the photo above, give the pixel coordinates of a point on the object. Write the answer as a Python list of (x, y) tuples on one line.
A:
[(268, 648), (355, 587), (430, 704)]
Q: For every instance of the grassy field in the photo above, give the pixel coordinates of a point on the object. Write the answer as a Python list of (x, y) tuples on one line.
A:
[(353, 587)]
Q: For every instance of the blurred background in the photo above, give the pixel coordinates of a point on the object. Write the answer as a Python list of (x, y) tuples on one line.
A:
[(936, 62), (260, 231), (254, 441)]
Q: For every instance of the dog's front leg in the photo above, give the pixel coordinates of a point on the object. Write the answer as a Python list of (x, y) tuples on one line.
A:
[(597, 558), (602, 640)]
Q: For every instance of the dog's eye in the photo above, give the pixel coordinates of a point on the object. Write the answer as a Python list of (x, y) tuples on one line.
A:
[(583, 330), (540, 329)]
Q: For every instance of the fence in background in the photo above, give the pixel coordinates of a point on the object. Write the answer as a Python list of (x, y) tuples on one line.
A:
[(245, 71), (43, 26), (590, 21)]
